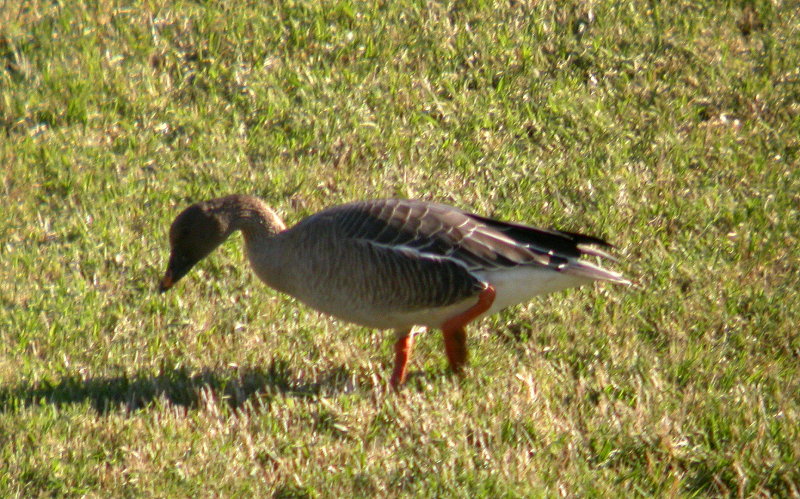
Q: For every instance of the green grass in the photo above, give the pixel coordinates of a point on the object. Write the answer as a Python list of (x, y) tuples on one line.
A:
[(673, 129)]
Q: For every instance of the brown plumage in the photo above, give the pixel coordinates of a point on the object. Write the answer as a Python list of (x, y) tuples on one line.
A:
[(392, 263)]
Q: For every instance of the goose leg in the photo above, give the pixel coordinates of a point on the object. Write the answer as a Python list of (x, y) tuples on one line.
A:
[(402, 351), (455, 338)]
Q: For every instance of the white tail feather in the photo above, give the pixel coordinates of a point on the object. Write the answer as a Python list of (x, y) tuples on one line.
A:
[(594, 251), (591, 271)]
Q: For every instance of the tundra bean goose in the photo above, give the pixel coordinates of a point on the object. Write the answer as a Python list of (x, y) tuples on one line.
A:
[(393, 263)]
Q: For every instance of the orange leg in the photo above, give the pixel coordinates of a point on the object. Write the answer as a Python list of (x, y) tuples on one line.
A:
[(455, 338), (402, 351)]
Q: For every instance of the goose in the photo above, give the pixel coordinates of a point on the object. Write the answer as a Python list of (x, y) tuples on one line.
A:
[(393, 263)]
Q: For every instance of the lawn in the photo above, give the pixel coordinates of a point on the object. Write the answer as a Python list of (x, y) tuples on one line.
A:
[(670, 128)]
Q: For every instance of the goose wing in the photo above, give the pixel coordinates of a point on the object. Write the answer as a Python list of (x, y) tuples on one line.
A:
[(430, 230)]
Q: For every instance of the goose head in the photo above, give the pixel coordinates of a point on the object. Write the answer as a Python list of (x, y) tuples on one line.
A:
[(195, 233)]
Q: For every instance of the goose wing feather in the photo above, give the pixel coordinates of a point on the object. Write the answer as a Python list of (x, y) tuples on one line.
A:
[(430, 230)]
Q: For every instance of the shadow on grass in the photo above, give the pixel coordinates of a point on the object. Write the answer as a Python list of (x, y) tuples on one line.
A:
[(180, 387)]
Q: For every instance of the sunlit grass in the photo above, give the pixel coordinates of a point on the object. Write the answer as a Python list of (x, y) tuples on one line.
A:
[(671, 129)]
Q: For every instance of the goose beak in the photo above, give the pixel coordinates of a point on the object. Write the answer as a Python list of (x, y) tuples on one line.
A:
[(166, 282)]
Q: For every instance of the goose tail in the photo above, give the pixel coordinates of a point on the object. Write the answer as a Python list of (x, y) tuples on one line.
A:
[(589, 270)]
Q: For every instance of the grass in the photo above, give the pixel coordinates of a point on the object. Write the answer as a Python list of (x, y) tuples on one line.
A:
[(673, 129)]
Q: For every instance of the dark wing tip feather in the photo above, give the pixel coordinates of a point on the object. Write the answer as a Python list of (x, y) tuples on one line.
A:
[(584, 239), (548, 240)]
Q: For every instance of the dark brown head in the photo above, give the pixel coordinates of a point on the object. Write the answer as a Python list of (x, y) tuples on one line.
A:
[(195, 233)]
